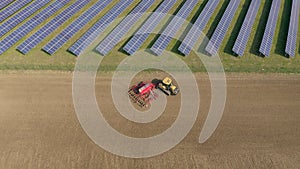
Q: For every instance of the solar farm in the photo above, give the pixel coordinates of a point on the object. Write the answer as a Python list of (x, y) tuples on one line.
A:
[(58, 111), (249, 36)]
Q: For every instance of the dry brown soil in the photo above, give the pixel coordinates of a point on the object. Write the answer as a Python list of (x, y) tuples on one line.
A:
[(260, 127)]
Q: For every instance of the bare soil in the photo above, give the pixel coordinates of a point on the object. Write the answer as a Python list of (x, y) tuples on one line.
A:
[(260, 127)]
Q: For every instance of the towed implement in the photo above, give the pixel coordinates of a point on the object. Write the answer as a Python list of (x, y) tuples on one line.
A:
[(144, 93)]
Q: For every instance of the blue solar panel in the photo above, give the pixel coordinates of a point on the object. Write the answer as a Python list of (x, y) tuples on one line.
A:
[(21, 16), (293, 29), (99, 27), (219, 34), (173, 27), (195, 32), (7, 12), (4, 3), (143, 33), (23, 30), (77, 25), (116, 35), (266, 44), (244, 34), (46, 30)]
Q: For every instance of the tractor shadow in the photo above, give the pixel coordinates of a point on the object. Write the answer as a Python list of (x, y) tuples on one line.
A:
[(156, 81)]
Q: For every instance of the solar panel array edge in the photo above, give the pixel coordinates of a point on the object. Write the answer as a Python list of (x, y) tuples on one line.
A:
[(266, 44), (21, 16), (143, 33), (245, 31), (185, 47), (173, 27), (221, 30), (13, 8), (116, 35), (75, 26), (84, 41), (36, 20), (47, 29), (195, 32), (4, 4), (291, 43)]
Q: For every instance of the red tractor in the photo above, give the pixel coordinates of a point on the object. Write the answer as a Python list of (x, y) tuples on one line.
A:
[(143, 93)]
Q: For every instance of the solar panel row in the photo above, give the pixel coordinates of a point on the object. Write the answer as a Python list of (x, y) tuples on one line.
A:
[(244, 34), (76, 26), (23, 30), (47, 29), (21, 16), (143, 33), (219, 34), (196, 30), (82, 43), (165, 38), (11, 7), (116, 35), (291, 43), (5, 3), (17, 5), (266, 44)]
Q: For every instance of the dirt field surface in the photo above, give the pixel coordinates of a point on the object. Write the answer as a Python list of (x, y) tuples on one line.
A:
[(260, 127)]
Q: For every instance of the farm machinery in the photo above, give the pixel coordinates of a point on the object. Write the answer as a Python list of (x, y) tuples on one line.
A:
[(144, 92), (167, 87)]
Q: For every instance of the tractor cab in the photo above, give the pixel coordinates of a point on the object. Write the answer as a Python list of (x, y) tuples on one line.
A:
[(168, 87), (167, 81)]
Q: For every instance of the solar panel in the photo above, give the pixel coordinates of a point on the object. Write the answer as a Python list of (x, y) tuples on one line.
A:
[(82, 43), (293, 28), (21, 16), (164, 39), (46, 30), (73, 28), (195, 32), (4, 3), (17, 5), (143, 33), (23, 30), (266, 44), (116, 35), (219, 34), (244, 34)]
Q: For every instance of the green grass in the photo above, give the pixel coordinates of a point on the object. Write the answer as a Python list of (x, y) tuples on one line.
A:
[(250, 62)]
